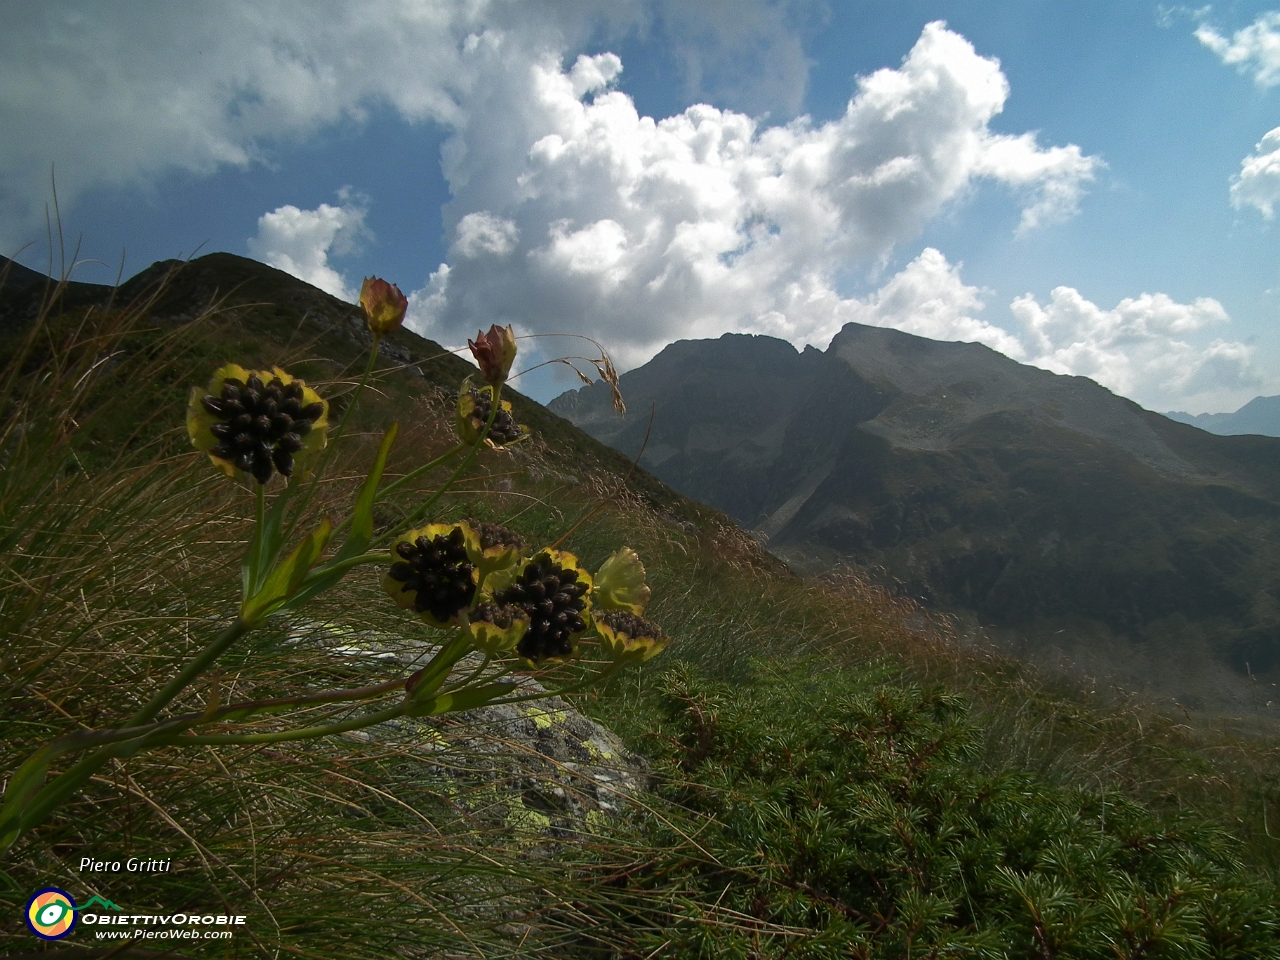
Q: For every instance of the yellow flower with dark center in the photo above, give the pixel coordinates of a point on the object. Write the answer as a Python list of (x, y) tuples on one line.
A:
[(496, 629), (474, 407), (499, 547), (619, 584), (257, 422), (383, 304), (433, 574), (628, 637), (555, 594), (494, 353)]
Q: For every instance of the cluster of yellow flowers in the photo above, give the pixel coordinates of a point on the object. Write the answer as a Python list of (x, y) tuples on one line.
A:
[(474, 576), (477, 581)]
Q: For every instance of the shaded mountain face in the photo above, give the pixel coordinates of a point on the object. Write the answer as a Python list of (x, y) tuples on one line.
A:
[(1261, 415), (1045, 507)]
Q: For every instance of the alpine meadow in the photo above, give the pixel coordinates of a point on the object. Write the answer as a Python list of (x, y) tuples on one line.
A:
[(810, 768), (639, 480)]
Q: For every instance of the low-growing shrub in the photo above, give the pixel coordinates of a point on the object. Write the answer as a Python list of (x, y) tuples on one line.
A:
[(822, 815)]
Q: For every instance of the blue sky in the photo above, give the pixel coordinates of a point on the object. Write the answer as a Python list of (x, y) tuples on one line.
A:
[(1089, 187)]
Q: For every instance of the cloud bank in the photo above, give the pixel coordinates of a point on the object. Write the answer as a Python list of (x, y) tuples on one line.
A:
[(119, 94), (574, 213), (571, 211), (1140, 349)]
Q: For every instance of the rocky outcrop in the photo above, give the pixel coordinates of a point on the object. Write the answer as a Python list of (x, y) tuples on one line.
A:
[(539, 770)]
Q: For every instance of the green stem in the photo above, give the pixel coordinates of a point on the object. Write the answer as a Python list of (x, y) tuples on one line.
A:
[(473, 675), (61, 787), (466, 461), (333, 442), (344, 565), (233, 632), (435, 672), (418, 471), (603, 675), (84, 739), (259, 536), (391, 487)]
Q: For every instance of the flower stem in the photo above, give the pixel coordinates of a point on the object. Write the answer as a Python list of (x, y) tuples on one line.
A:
[(604, 675), (205, 659), (418, 471), (333, 442), (422, 510)]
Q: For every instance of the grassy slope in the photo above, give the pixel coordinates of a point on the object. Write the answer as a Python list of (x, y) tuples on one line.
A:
[(314, 841)]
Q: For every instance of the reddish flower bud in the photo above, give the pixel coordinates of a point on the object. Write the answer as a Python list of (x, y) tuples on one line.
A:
[(494, 352), (383, 304)]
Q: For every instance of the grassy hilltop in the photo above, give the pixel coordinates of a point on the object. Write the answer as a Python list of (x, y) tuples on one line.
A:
[(833, 775)]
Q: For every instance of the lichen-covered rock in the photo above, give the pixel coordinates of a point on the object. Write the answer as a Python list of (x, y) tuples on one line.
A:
[(538, 768), (565, 770)]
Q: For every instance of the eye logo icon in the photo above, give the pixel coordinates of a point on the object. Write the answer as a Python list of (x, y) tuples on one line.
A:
[(51, 913)]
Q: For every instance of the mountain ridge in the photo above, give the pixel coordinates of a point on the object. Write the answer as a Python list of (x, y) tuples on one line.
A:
[(1058, 516), (1261, 416)]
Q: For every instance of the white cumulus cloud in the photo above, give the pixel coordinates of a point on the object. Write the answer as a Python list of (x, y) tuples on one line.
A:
[(480, 233), (929, 299), (1141, 348), (1258, 183), (299, 241), (120, 94), (1254, 49), (640, 231)]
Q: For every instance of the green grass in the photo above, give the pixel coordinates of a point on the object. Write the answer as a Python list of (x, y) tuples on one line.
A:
[(792, 723)]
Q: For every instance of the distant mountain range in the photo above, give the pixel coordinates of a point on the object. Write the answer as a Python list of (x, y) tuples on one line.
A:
[(1064, 519), (1261, 415)]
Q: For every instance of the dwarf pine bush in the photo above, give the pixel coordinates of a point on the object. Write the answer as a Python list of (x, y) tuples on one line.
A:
[(819, 816)]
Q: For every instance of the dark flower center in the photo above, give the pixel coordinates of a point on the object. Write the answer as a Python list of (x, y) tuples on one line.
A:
[(504, 430), (552, 597), (261, 424), (439, 571), (624, 621), (500, 615), (496, 535)]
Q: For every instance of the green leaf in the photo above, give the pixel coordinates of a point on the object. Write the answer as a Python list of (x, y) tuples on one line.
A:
[(23, 786), (362, 517), (285, 579), (264, 546), (361, 526), (467, 699)]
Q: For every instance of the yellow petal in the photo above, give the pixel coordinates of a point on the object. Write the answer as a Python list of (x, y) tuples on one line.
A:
[(619, 585)]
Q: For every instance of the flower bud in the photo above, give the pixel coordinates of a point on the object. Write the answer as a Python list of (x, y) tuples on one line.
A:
[(383, 304), (474, 407), (494, 352)]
